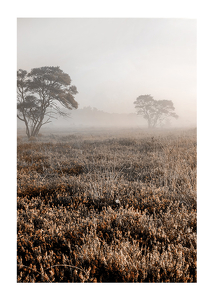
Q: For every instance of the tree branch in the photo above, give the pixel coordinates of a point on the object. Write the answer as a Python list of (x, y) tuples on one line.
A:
[(46, 122), (20, 118)]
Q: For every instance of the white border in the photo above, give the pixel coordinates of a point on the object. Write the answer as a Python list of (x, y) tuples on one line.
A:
[(203, 11)]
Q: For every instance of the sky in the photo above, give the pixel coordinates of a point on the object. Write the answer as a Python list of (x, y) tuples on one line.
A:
[(112, 61)]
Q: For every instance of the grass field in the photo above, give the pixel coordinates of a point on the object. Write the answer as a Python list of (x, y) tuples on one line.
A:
[(107, 206)]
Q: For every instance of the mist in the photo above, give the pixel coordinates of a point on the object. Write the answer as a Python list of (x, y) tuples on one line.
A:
[(112, 61)]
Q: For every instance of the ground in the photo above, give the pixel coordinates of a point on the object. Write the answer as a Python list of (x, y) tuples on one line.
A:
[(107, 206)]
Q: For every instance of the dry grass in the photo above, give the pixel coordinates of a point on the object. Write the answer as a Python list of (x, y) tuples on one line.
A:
[(107, 207)]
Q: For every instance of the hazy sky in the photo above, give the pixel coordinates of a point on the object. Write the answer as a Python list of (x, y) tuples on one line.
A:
[(113, 61)]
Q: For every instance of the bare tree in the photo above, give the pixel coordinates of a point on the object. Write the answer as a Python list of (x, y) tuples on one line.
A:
[(40, 94)]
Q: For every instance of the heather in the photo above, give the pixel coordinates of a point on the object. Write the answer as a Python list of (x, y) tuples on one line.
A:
[(107, 206)]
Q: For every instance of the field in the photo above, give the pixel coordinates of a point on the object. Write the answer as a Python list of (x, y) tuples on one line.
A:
[(107, 206)]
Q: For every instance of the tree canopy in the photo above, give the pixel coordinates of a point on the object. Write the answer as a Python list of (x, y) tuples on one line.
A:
[(154, 111), (40, 94)]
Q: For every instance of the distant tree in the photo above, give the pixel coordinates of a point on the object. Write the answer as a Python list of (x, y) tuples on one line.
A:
[(154, 111), (40, 94)]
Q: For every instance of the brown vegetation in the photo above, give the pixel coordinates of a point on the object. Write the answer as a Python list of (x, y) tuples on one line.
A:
[(118, 208)]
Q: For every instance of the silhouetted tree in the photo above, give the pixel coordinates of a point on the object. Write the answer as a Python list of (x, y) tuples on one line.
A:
[(39, 94), (154, 111)]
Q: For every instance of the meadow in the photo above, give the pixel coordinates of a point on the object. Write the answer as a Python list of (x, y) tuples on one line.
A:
[(107, 206)]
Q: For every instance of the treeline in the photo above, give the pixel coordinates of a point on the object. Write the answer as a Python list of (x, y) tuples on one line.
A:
[(89, 116)]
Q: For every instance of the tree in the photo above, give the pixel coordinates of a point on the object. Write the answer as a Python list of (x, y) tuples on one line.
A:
[(40, 94), (154, 111)]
